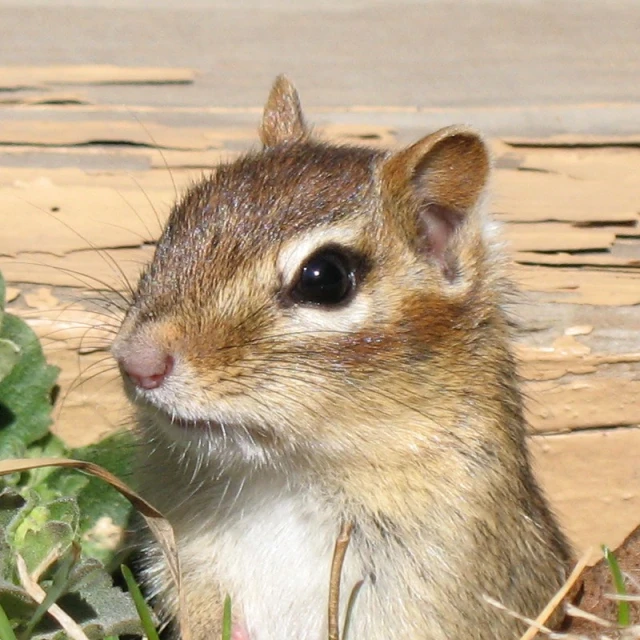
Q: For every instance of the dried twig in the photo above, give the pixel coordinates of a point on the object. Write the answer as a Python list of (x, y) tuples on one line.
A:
[(71, 628), (575, 612), (532, 623), (627, 597), (533, 630), (334, 584)]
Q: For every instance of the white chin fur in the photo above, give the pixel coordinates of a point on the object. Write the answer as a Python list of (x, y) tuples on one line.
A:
[(221, 441)]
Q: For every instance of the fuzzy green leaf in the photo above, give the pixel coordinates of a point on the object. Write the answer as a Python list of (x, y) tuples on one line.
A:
[(9, 356), (58, 586), (17, 604), (47, 526), (10, 503), (45, 513), (25, 393), (104, 511), (3, 298), (93, 602), (67, 485)]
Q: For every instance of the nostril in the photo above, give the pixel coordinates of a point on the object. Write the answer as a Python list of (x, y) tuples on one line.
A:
[(147, 370)]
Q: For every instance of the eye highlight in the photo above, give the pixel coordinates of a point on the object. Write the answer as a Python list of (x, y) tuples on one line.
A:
[(326, 278)]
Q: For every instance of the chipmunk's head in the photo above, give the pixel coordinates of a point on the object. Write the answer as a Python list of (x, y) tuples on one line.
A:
[(311, 300)]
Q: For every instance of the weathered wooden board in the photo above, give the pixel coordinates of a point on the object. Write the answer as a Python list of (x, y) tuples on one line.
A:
[(27, 76), (77, 219)]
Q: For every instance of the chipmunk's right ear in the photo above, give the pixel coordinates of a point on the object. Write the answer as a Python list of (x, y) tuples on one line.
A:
[(436, 184), (282, 120)]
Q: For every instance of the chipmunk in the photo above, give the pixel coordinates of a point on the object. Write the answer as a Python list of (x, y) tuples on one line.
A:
[(321, 338)]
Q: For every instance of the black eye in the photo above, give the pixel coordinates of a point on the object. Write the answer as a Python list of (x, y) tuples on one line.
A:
[(326, 278)]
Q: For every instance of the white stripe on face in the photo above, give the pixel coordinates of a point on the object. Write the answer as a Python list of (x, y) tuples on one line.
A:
[(292, 257)]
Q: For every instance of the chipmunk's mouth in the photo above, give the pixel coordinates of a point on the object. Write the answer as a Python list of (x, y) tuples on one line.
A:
[(157, 410), (210, 426), (226, 440)]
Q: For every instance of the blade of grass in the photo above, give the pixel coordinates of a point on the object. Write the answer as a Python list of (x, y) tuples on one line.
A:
[(226, 619), (624, 611), (6, 632), (141, 605)]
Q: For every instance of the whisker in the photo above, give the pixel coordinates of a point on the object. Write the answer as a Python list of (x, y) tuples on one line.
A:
[(153, 208), (136, 212), (83, 278), (82, 379), (108, 260), (159, 149)]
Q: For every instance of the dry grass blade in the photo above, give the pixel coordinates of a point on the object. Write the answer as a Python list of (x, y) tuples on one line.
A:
[(625, 598), (71, 628), (158, 524), (558, 597), (540, 628), (339, 553), (575, 612)]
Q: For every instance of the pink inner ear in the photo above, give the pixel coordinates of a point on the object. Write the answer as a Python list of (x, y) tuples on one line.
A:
[(437, 225)]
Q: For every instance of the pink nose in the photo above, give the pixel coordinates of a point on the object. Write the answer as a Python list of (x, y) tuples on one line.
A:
[(147, 368)]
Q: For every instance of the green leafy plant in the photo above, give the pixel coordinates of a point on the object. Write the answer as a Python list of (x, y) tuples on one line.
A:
[(59, 529), (624, 610)]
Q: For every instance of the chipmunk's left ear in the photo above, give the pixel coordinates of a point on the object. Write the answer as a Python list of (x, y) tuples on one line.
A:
[(282, 120), (436, 185)]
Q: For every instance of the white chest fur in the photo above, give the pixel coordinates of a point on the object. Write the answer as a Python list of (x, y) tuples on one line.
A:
[(271, 551)]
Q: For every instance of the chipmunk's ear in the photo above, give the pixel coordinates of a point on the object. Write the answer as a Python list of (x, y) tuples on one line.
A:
[(282, 120), (438, 182)]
